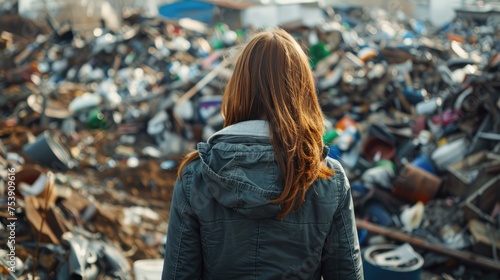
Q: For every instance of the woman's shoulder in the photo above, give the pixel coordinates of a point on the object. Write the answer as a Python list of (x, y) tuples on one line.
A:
[(338, 181), (334, 165), (191, 168)]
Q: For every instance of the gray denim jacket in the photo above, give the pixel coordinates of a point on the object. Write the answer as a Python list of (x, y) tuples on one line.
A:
[(222, 227)]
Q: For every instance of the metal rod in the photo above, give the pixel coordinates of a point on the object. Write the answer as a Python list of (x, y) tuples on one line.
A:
[(203, 82)]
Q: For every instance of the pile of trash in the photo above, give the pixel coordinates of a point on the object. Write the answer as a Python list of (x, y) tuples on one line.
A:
[(94, 126), (92, 129), (414, 116)]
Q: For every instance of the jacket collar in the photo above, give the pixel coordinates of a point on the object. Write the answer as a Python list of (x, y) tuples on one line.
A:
[(255, 128)]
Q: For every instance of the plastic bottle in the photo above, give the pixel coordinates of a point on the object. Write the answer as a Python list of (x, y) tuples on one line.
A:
[(348, 138)]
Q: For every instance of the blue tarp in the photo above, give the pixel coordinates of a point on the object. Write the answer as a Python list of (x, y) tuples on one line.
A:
[(197, 10)]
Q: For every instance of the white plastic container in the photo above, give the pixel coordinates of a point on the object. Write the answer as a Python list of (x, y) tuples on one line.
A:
[(148, 269), (427, 107), (449, 153)]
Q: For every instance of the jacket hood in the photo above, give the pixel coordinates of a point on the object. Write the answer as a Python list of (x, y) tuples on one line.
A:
[(240, 169)]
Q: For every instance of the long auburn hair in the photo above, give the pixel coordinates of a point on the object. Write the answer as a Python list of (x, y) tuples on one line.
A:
[(272, 81)]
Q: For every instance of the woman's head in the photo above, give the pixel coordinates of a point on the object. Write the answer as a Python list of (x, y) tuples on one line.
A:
[(272, 80), (271, 75)]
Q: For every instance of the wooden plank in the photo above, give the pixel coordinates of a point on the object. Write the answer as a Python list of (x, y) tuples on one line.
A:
[(468, 257)]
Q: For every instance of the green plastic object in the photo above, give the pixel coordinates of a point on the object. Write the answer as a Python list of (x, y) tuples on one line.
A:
[(387, 163), (221, 27), (217, 42), (241, 35), (330, 136), (318, 51), (96, 120)]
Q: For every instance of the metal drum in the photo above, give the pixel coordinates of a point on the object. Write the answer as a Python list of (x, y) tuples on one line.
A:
[(392, 262)]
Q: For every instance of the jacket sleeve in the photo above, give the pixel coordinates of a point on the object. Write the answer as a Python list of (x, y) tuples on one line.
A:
[(183, 254), (341, 257)]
